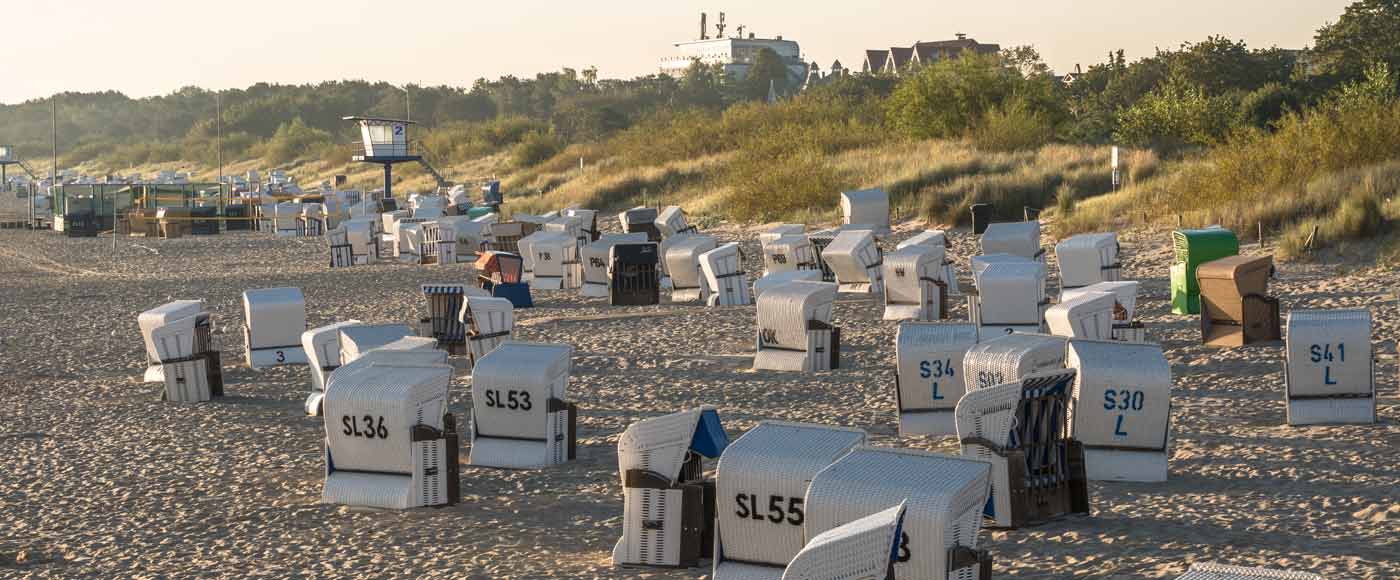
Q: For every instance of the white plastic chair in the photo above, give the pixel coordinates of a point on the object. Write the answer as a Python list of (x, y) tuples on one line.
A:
[(683, 265), (914, 284), (929, 374), (322, 348), (944, 497), (761, 485), (390, 442), (866, 208), (664, 487), (1089, 315), (862, 549), (794, 328), (274, 319), (723, 276), (1213, 571), (855, 259), (1003, 359), (1122, 409), (520, 416), (1088, 259), (1329, 373), (1015, 238)]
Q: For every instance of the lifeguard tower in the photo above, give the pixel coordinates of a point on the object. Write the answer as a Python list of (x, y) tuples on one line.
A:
[(385, 141), (9, 157)]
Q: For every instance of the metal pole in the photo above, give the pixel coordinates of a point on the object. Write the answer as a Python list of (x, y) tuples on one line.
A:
[(219, 152)]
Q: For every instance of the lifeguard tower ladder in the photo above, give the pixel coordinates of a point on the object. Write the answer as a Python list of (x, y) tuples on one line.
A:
[(8, 158), (385, 141)]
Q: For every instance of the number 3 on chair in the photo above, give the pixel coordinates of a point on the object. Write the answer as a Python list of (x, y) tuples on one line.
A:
[(281, 356)]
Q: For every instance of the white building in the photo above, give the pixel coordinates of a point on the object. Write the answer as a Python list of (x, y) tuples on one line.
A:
[(737, 54)]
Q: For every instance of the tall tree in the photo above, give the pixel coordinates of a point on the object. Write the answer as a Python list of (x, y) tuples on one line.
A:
[(1367, 33)]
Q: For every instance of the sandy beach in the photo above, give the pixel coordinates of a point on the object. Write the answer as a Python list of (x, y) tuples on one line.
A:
[(100, 479)]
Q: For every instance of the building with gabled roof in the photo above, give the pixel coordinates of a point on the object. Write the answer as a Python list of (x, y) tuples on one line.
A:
[(900, 60)]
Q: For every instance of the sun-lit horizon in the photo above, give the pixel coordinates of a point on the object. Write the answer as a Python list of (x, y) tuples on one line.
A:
[(154, 47)]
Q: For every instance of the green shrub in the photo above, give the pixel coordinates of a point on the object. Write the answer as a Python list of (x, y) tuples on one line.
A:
[(1012, 127), (534, 149)]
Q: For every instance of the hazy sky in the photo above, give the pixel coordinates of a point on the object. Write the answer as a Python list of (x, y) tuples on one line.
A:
[(146, 47)]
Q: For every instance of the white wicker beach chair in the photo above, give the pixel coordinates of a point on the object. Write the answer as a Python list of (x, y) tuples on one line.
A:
[(439, 246), (856, 261), (1213, 571), (312, 221), (360, 339), (520, 417), (594, 257), (390, 442), (683, 265), (190, 374), (929, 374), (342, 252), (274, 319), (1329, 373), (934, 238), (267, 218), (869, 208), (789, 253), (1010, 298), (409, 244), (571, 264), (1122, 409), (671, 222), (1015, 238), (794, 328), (363, 235), (550, 257), (775, 231), (443, 322), (668, 504), (944, 499), (914, 284), (775, 279), (761, 484), (1125, 327), (862, 549), (1022, 428), (322, 348), (722, 274), (155, 318), (488, 321), (640, 219), (1089, 315), (468, 237), (1088, 259), (588, 220), (286, 216), (525, 246), (1004, 359)]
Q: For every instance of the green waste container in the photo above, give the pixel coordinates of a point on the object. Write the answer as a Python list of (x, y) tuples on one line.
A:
[(1193, 248)]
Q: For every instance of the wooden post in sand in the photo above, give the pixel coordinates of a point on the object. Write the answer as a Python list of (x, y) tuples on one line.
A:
[(1260, 225)]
